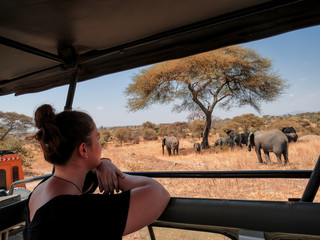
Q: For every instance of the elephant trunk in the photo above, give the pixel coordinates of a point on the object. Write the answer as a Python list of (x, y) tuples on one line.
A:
[(249, 148)]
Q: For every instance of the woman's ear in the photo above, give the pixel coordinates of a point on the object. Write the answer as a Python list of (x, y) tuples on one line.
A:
[(83, 150)]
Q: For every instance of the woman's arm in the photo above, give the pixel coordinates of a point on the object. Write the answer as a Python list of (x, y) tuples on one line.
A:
[(148, 199)]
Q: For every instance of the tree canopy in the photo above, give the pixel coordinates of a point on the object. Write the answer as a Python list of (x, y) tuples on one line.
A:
[(11, 122), (228, 77)]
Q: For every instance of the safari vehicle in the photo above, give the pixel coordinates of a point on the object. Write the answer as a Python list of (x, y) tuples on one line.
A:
[(10, 169), (53, 43)]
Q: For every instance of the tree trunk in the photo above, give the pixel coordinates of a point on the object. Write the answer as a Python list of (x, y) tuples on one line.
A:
[(5, 134), (205, 141)]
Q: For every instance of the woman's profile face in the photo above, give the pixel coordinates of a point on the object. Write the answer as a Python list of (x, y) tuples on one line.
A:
[(95, 149)]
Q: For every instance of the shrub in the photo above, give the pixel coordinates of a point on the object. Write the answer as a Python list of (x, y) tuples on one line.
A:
[(105, 136), (197, 127), (181, 129), (149, 134), (135, 136), (148, 125), (163, 130), (17, 146), (122, 135)]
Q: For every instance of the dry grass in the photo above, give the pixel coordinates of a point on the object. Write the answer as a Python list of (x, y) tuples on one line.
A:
[(147, 156)]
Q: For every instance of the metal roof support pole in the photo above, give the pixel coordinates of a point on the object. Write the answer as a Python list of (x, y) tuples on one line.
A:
[(72, 89), (313, 184), (29, 49)]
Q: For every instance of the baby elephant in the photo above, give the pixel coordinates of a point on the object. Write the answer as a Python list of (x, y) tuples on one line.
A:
[(197, 147)]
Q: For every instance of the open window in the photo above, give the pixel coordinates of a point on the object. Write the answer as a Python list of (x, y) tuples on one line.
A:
[(3, 181), (15, 173)]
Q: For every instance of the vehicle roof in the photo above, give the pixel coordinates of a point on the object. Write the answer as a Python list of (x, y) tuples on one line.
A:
[(42, 42)]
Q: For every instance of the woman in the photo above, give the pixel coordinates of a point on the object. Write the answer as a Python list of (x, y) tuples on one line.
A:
[(58, 208)]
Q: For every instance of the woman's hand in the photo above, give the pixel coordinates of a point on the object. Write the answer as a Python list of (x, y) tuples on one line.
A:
[(107, 174)]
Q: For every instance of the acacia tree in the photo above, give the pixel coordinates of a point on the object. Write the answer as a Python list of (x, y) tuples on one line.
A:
[(11, 122), (228, 77)]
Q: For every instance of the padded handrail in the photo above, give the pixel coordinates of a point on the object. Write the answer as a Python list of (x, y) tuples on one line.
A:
[(264, 216), (296, 174), (12, 215)]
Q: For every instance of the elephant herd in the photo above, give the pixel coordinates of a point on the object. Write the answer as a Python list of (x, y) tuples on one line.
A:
[(275, 141)]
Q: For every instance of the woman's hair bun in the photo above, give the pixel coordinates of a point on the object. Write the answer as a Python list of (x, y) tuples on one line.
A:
[(43, 115)]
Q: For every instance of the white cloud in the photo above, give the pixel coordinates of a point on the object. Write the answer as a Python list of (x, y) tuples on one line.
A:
[(100, 108)]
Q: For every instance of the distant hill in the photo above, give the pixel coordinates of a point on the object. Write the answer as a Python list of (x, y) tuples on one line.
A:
[(294, 113)]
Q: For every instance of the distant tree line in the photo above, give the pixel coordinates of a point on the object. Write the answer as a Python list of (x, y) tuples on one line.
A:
[(305, 124)]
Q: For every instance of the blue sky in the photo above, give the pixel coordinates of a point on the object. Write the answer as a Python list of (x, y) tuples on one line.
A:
[(295, 58)]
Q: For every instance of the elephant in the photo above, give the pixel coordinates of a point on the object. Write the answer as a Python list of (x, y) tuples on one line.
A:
[(224, 141), (244, 137), (291, 133), (171, 143), (197, 147), (235, 136), (269, 141)]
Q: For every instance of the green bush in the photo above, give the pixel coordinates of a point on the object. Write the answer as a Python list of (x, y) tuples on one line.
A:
[(18, 146)]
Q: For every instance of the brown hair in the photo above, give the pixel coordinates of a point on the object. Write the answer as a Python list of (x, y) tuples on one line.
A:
[(60, 134)]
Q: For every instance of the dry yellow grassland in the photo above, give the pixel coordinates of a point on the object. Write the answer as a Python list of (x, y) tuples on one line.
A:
[(147, 156)]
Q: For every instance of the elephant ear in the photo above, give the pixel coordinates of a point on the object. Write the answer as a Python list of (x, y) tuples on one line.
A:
[(228, 131), (293, 130), (251, 138)]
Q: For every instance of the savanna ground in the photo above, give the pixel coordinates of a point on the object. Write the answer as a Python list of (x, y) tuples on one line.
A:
[(147, 156)]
